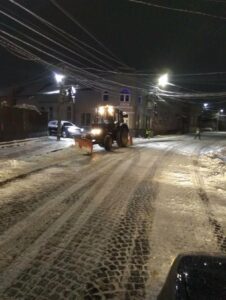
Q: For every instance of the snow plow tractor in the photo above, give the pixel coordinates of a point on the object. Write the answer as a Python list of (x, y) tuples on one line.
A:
[(108, 127)]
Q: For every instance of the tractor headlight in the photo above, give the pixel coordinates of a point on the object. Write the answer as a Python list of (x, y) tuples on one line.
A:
[(101, 110), (111, 110), (96, 131)]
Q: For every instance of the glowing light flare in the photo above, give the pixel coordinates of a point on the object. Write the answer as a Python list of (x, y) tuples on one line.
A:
[(59, 77), (96, 131), (73, 90), (110, 110), (106, 109), (101, 110), (163, 80)]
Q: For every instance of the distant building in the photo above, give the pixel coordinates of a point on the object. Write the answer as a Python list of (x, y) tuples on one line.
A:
[(123, 91)]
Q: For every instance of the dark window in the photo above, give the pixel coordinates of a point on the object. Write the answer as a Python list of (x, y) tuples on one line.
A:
[(88, 119), (50, 113), (125, 95), (140, 99), (124, 98), (68, 124), (105, 96), (69, 113), (85, 119)]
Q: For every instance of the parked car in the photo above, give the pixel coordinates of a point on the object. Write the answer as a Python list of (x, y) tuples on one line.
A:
[(207, 129), (68, 129)]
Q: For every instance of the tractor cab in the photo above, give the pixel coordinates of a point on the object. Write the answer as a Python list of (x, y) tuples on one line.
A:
[(108, 115), (109, 126)]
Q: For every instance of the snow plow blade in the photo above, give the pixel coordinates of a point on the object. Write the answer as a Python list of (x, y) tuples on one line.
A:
[(85, 145)]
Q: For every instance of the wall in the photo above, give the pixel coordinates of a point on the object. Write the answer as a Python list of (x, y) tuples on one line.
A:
[(17, 123)]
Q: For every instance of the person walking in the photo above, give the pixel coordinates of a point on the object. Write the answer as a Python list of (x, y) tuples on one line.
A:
[(197, 133)]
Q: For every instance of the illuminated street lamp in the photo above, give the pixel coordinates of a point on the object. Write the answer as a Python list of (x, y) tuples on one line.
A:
[(205, 105), (73, 90), (221, 110), (60, 82), (163, 80), (59, 78)]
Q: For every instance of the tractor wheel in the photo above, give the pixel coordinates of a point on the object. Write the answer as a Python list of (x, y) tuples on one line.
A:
[(108, 143), (122, 137)]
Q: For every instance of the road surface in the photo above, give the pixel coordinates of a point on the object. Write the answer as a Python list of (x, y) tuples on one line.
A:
[(107, 226)]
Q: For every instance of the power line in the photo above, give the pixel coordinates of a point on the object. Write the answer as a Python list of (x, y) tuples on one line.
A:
[(104, 81), (66, 35), (146, 74), (217, 1), (48, 38), (82, 27), (17, 50), (40, 43), (181, 10), (193, 95), (44, 52)]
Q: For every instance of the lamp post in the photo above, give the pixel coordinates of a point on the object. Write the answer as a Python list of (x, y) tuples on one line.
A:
[(162, 81), (219, 119), (60, 82)]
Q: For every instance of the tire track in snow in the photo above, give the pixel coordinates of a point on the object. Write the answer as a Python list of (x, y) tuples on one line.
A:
[(54, 206), (123, 272), (217, 229), (10, 274)]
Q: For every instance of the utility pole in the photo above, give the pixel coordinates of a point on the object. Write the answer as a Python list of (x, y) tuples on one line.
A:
[(59, 113), (60, 81)]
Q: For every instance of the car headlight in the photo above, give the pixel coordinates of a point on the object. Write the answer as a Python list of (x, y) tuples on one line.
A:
[(96, 131), (72, 129)]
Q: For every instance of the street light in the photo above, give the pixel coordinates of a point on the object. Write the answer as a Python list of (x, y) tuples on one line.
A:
[(163, 80), (60, 82), (205, 105), (221, 110), (59, 78)]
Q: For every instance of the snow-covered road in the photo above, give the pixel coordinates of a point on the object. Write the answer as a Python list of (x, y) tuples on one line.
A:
[(107, 226)]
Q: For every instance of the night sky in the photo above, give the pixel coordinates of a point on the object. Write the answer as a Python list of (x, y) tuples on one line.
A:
[(145, 38)]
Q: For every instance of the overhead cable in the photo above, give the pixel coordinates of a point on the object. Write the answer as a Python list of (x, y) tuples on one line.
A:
[(42, 44), (46, 37), (181, 10), (69, 37), (56, 4)]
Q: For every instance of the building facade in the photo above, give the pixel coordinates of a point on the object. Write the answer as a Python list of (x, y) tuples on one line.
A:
[(145, 112)]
